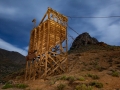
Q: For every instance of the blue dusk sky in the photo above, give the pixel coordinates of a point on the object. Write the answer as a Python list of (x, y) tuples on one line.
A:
[(16, 20)]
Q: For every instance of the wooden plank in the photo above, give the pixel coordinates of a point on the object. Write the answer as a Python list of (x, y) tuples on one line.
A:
[(66, 50), (46, 59), (59, 65), (34, 71), (43, 17), (48, 36), (39, 40), (26, 70), (52, 59), (42, 37), (30, 69)]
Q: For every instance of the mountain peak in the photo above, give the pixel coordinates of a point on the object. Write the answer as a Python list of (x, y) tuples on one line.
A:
[(83, 40)]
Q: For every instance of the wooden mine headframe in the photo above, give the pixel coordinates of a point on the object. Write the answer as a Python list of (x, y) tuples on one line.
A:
[(47, 54)]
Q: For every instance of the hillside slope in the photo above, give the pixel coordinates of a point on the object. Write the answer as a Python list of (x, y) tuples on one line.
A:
[(10, 62), (94, 69), (93, 65)]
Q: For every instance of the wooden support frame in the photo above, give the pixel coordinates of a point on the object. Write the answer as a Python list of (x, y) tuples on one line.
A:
[(47, 54)]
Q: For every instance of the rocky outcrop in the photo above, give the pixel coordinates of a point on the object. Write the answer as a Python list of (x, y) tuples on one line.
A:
[(102, 44), (83, 40)]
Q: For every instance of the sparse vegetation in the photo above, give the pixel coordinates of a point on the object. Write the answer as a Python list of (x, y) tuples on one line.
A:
[(61, 86), (63, 78), (83, 87), (21, 86), (9, 85), (81, 78), (96, 84), (52, 81), (93, 76), (94, 63), (100, 68), (115, 74), (71, 79)]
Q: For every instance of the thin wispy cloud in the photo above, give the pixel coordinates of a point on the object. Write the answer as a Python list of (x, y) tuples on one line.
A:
[(7, 11), (10, 47), (107, 28)]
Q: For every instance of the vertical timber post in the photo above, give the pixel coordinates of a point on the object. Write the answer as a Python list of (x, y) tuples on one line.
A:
[(26, 70), (48, 29), (66, 48)]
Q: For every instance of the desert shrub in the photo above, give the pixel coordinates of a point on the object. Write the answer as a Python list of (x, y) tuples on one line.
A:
[(100, 68), (88, 75), (63, 78), (81, 78), (7, 85), (93, 76), (96, 84), (71, 79), (52, 81), (115, 74), (83, 87), (61, 87), (21, 86)]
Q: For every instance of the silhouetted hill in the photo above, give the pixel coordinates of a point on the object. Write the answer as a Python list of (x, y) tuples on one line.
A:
[(85, 39), (10, 62), (12, 56)]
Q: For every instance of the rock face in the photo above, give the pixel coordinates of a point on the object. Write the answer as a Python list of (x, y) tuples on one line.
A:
[(83, 40)]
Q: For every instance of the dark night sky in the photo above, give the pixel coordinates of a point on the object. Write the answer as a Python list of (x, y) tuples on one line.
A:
[(16, 20)]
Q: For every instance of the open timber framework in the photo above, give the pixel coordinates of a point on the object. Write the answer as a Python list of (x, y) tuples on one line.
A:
[(47, 54)]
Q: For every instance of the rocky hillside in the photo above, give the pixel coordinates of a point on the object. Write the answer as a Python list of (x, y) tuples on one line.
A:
[(93, 65), (85, 39), (11, 56), (10, 62), (96, 68)]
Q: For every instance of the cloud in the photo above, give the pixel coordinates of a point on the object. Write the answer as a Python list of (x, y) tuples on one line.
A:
[(107, 28), (26, 48), (7, 46), (111, 35), (7, 12)]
